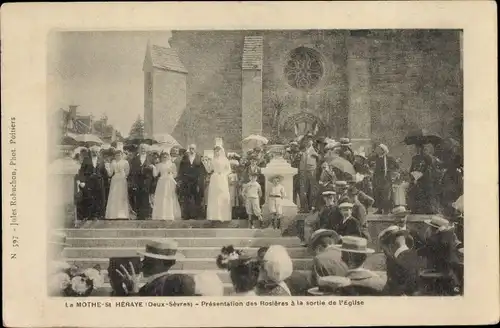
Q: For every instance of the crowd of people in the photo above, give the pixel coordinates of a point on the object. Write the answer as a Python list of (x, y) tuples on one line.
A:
[(427, 265), (178, 183)]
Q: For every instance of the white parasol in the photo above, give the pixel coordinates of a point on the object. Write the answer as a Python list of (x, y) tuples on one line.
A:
[(88, 139), (253, 141), (166, 140)]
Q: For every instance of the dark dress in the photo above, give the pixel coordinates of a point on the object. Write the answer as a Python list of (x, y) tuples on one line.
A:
[(422, 194), (93, 202), (141, 180)]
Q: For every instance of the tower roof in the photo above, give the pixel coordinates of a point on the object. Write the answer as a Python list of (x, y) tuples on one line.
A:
[(253, 52), (166, 59)]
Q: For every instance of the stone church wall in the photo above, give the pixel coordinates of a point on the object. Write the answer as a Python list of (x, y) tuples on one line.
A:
[(414, 81)]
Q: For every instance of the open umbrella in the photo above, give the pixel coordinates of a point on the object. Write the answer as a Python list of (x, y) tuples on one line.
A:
[(166, 140), (87, 140), (253, 141), (422, 137), (138, 141), (343, 165)]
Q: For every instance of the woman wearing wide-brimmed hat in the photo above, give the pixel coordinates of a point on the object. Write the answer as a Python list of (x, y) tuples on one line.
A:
[(363, 281)]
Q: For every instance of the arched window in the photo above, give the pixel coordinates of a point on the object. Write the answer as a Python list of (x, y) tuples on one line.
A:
[(304, 68)]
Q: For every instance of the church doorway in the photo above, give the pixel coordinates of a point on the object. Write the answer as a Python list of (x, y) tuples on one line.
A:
[(301, 124)]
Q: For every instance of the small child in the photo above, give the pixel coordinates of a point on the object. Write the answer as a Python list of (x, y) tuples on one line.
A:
[(274, 199), (252, 192)]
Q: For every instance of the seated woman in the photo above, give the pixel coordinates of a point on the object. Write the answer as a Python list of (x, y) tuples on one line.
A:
[(244, 273)]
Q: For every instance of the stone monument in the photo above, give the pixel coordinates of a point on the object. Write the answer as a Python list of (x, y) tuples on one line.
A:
[(278, 165)]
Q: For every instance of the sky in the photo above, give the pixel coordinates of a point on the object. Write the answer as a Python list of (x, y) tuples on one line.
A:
[(101, 72)]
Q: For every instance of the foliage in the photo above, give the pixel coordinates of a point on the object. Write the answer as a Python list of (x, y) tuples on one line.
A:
[(137, 129)]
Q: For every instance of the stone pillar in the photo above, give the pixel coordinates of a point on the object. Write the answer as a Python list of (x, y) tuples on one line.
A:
[(358, 78), (278, 165), (251, 93), (62, 186)]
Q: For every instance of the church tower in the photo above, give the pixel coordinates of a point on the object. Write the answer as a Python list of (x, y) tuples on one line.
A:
[(164, 90)]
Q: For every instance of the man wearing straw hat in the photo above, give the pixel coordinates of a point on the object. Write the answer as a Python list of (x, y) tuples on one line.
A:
[(402, 261), (90, 181), (327, 261), (363, 281), (159, 257)]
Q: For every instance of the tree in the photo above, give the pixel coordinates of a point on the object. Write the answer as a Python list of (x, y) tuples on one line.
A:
[(137, 129)]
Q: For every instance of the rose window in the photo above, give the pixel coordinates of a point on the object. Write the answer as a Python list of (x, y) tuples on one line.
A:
[(304, 68)]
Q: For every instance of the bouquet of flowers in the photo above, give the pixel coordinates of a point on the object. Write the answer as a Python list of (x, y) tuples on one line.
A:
[(227, 254), (69, 280)]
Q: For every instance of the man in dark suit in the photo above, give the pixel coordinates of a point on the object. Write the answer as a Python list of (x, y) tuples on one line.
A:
[(141, 179), (402, 261), (191, 177), (91, 178), (383, 166)]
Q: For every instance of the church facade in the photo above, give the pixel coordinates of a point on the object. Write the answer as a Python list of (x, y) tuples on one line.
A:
[(371, 86)]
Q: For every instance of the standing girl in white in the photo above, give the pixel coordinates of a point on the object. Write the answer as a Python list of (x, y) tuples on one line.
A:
[(166, 205), (219, 200), (117, 207)]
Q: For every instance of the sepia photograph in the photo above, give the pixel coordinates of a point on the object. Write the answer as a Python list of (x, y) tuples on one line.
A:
[(249, 164), (257, 162)]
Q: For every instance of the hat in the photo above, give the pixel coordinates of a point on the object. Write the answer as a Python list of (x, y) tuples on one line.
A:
[(58, 238), (328, 284), (345, 141), (328, 193), (331, 145), (384, 148), (345, 204), (437, 222), (354, 245), (400, 211), (279, 176), (316, 235), (294, 143), (341, 183), (395, 231), (165, 249)]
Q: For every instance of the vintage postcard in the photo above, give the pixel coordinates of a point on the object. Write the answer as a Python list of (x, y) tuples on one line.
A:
[(249, 164)]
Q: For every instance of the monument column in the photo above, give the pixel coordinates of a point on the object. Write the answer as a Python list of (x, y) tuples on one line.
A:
[(358, 79), (251, 93)]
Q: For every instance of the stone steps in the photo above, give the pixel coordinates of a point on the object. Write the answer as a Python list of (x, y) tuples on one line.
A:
[(185, 241), (155, 224), (189, 252), (169, 233)]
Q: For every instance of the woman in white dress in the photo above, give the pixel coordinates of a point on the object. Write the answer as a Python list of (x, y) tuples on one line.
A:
[(219, 200), (166, 205), (118, 170)]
